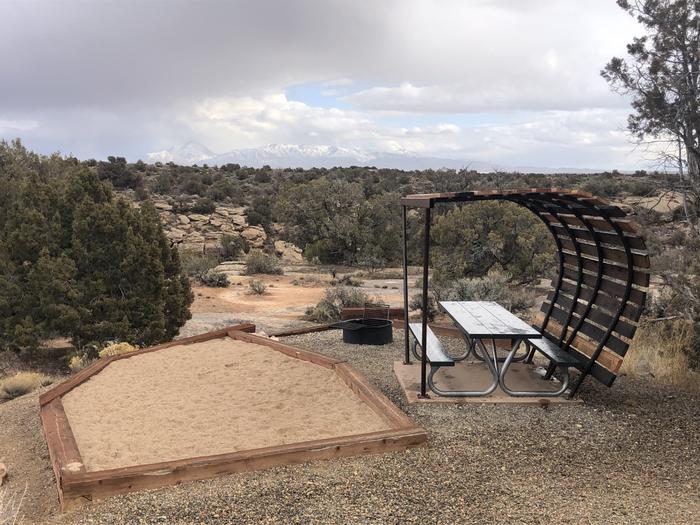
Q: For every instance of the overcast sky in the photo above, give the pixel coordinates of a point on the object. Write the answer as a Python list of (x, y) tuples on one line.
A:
[(513, 82)]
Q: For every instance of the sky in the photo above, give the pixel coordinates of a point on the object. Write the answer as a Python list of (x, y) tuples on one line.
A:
[(513, 82)]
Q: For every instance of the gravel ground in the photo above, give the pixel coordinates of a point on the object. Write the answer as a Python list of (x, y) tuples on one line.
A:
[(629, 454)]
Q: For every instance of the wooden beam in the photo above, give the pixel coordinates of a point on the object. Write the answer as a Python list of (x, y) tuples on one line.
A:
[(117, 481)]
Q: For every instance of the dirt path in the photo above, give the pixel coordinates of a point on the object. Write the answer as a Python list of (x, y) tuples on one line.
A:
[(23, 449)]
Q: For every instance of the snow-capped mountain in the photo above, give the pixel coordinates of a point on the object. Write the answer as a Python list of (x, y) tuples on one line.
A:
[(322, 156), (189, 153), (295, 156)]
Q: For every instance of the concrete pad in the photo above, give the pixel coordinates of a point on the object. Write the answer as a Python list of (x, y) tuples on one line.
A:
[(476, 376)]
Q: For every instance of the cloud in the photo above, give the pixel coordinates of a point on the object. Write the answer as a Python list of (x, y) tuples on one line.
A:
[(127, 77)]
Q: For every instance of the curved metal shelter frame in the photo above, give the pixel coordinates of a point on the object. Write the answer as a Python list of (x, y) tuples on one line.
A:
[(599, 292)]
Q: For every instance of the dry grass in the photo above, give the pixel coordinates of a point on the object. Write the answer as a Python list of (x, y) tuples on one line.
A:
[(22, 383), (10, 505), (116, 349), (660, 350)]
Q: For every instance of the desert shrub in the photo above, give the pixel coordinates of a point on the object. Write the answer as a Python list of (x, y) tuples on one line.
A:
[(214, 279), (22, 383), (195, 263), (257, 262), (416, 303), (232, 247), (256, 287), (602, 185), (492, 287), (78, 361), (116, 349), (335, 299)]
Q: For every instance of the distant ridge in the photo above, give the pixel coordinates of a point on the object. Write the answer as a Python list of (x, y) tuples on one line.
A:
[(323, 156)]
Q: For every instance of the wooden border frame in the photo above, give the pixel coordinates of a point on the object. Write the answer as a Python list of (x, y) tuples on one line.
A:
[(76, 484)]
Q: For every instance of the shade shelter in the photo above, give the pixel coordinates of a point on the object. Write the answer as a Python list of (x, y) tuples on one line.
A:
[(598, 295)]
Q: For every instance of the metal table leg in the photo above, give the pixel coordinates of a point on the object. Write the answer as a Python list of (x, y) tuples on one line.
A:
[(492, 363), (533, 393)]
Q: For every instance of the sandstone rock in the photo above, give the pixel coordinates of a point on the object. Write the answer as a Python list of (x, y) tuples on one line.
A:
[(162, 205), (197, 217), (183, 219), (216, 222), (288, 251), (255, 236), (238, 220), (3, 473), (175, 234)]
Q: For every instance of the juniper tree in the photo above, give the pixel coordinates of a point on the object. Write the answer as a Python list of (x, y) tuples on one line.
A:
[(77, 262), (662, 76)]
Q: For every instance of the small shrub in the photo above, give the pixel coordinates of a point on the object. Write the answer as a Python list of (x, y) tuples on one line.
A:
[(78, 361), (492, 287), (258, 262), (214, 279), (195, 264), (257, 288), (116, 349), (231, 247), (331, 306), (22, 383), (416, 303)]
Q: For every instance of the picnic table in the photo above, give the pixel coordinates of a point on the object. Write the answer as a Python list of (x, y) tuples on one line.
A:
[(482, 323)]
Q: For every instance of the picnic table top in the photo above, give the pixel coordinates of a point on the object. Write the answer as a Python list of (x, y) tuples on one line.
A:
[(488, 319)]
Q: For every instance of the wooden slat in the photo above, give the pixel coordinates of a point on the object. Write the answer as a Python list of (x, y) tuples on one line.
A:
[(302, 330), (607, 358), (635, 242), (609, 299), (611, 254), (596, 333), (596, 314), (292, 351), (487, 319), (614, 272)]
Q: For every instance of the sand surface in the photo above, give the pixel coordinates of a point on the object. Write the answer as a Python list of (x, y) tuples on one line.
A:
[(208, 398)]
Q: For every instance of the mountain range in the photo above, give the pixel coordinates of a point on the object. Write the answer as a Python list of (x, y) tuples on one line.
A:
[(323, 156)]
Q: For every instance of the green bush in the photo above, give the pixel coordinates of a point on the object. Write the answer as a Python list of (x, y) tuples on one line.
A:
[(335, 299), (416, 303), (195, 263), (214, 279), (258, 262), (231, 247), (256, 287), (492, 287)]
